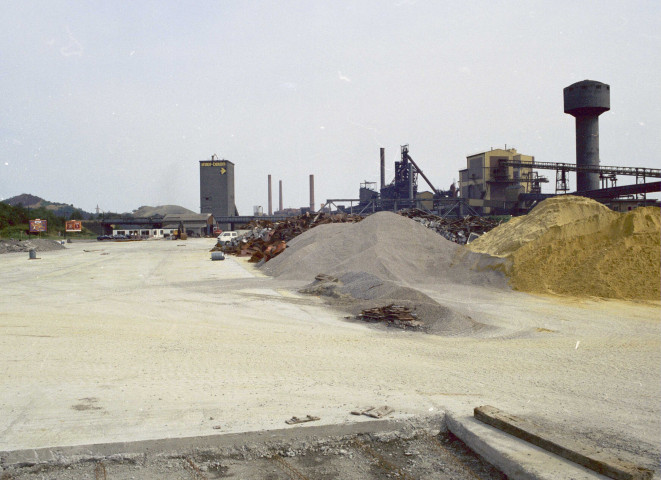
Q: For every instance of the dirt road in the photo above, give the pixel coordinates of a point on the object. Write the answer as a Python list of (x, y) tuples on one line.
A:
[(106, 342)]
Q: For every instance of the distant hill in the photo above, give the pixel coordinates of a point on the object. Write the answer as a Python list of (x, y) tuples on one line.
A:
[(26, 200), (65, 210), (32, 201), (147, 211)]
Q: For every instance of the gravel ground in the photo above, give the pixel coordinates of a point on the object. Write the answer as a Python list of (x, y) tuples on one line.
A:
[(145, 340), (10, 245)]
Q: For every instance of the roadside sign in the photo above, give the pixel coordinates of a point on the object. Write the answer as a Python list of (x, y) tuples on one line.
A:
[(73, 226), (37, 225)]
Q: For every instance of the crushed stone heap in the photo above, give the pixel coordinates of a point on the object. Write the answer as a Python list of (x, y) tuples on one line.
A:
[(385, 244), (576, 246)]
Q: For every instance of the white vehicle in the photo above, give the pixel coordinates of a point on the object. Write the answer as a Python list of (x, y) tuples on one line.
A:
[(226, 237)]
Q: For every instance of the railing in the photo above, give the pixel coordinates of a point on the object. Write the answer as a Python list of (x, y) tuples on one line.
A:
[(602, 169)]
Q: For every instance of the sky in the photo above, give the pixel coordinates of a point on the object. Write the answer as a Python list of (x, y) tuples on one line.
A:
[(114, 103)]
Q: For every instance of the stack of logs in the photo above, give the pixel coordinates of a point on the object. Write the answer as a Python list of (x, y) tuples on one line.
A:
[(268, 239), (457, 230), (398, 315)]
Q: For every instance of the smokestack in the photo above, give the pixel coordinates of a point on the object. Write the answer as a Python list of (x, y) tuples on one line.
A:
[(270, 198), (312, 193), (281, 208), (383, 167)]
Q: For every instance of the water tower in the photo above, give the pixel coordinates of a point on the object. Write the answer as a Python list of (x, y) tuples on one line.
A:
[(587, 100)]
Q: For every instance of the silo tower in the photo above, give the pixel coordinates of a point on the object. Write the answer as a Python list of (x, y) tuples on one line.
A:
[(587, 100)]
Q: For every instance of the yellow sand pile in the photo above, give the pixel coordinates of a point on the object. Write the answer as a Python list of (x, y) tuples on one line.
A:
[(576, 246)]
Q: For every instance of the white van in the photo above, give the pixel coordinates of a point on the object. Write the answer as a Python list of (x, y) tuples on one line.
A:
[(226, 237)]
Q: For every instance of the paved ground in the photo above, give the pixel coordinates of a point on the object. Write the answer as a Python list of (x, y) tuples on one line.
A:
[(106, 342)]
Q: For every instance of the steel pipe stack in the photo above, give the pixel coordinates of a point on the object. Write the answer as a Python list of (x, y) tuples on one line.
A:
[(383, 168), (270, 198)]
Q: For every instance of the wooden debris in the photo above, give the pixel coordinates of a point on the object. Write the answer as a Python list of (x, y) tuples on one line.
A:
[(379, 412), (389, 313), (395, 315), (322, 277), (361, 411), (307, 418)]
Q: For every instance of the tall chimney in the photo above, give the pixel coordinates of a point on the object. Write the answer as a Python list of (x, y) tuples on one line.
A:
[(281, 208), (312, 193), (270, 198), (383, 167)]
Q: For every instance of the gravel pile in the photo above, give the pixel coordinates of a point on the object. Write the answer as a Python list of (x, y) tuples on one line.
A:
[(387, 245), (39, 244), (358, 291), (381, 260)]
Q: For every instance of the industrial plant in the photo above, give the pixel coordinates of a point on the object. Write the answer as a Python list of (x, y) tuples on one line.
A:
[(499, 181)]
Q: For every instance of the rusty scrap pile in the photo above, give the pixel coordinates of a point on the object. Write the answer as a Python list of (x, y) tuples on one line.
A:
[(268, 239), (457, 230), (395, 314)]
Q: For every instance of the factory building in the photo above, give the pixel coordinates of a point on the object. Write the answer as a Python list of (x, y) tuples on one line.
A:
[(217, 189), (488, 186)]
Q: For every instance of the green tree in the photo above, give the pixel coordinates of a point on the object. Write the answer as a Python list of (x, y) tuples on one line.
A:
[(76, 215)]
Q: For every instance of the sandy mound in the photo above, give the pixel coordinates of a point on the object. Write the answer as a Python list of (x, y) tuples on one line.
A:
[(147, 211), (38, 244), (551, 213), (357, 291), (385, 244), (576, 246)]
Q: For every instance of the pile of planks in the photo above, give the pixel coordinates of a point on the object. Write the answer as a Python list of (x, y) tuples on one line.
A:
[(398, 315), (269, 239), (457, 230)]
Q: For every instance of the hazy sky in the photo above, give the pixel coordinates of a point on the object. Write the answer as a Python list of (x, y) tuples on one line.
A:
[(115, 102)]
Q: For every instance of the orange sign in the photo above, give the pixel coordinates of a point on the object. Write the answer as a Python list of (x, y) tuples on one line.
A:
[(74, 226), (38, 225)]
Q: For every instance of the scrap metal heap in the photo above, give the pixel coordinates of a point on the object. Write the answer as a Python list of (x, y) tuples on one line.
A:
[(268, 239), (457, 230)]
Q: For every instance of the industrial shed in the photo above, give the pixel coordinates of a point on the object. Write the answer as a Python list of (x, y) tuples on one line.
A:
[(195, 224)]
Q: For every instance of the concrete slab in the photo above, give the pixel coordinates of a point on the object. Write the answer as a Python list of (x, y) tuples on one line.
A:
[(258, 442), (517, 459)]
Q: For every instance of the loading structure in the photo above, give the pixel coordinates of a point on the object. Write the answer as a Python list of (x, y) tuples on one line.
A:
[(605, 175)]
